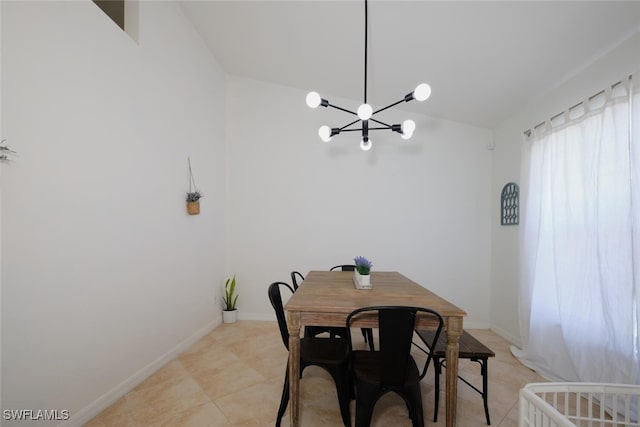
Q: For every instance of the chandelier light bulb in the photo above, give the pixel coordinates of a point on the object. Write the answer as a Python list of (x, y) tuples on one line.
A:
[(408, 126), (422, 92), (325, 133), (365, 112), (365, 144), (313, 99)]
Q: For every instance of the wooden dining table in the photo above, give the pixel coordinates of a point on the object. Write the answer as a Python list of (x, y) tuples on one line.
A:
[(326, 298)]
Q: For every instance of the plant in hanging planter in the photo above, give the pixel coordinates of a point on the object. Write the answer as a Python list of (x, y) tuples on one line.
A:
[(362, 275), (193, 197), (230, 300)]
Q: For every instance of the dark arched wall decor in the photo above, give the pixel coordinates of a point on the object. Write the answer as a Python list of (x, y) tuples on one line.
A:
[(510, 204)]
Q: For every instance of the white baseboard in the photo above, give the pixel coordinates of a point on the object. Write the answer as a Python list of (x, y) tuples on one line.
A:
[(253, 316), (507, 336), (87, 413), (472, 324)]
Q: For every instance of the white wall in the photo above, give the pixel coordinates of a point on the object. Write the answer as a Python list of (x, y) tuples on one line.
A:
[(610, 68), (104, 275), (296, 203)]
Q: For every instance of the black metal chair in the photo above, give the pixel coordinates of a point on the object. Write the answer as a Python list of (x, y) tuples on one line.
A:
[(392, 368), (367, 333), (295, 277), (343, 267), (329, 354)]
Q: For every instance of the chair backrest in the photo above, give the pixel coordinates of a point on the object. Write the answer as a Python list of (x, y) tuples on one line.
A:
[(276, 301), (296, 279), (344, 267), (396, 325)]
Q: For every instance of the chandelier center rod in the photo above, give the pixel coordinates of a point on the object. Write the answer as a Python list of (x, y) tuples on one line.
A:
[(366, 19)]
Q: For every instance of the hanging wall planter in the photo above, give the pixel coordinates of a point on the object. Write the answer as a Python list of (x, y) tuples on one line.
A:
[(193, 208), (193, 196)]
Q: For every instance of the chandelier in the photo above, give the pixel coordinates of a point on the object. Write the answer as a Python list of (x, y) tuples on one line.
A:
[(365, 112)]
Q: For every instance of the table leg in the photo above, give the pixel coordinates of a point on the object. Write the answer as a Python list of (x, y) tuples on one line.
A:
[(454, 330), (293, 323)]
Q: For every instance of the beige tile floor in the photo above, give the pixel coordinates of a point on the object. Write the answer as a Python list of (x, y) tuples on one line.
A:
[(234, 375)]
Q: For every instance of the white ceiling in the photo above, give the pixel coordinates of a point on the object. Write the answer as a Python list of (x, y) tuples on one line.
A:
[(484, 60)]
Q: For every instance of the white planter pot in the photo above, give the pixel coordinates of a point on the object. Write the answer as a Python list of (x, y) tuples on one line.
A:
[(362, 281), (229, 316)]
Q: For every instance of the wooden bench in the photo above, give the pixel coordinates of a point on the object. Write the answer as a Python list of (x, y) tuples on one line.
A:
[(470, 348)]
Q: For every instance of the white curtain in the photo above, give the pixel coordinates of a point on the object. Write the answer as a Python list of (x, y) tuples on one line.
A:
[(580, 237)]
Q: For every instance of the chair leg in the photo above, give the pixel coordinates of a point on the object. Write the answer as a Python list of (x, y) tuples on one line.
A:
[(437, 368), (417, 413), (364, 334), (412, 396), (368, 337), (285, 398), (366, 398), (412, 414), (343, 384)]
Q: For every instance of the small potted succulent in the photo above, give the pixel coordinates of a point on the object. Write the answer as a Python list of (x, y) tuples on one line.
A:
[(230, 299), (193, 196), (362, 273)]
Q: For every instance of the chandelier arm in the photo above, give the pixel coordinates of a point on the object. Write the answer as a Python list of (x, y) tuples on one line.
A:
[(381, 128), (343, 109), (370, 128), (389, 106), (381, 123), (347, 125)]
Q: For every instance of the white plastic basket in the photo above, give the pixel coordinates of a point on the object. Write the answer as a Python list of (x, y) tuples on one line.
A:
[(579, 404)]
